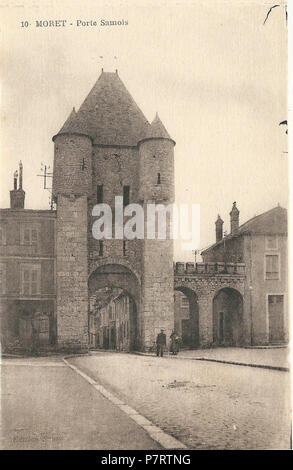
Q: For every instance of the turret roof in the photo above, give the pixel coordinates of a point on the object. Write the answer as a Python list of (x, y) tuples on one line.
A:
[(157, 129), (73, 125)]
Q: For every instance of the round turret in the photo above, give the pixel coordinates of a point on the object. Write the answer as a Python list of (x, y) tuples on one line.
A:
[(72, 173), (156, 160)]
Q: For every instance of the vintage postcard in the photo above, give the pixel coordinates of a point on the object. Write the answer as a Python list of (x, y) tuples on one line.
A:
[(144, 227)]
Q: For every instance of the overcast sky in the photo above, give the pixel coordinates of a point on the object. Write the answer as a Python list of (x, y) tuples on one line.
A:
[(213, 71)]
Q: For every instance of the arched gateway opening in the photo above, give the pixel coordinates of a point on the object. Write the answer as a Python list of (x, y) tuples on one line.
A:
[(228, 318), (114, 298), (186, 321)]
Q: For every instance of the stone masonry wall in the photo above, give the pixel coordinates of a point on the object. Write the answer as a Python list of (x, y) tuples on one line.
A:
[(72, 165), (157, 290), (72, 273)]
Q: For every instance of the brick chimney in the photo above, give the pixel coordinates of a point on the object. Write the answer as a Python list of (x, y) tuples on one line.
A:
[(17, 195), (234, 219), (219, 228)]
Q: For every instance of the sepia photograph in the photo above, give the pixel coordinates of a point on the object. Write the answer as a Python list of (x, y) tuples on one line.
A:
[(144, 221)]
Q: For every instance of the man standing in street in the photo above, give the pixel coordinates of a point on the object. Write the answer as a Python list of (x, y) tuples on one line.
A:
[(161, 343)]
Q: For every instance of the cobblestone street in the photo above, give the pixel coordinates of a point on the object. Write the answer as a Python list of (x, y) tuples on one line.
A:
[(205, 405)]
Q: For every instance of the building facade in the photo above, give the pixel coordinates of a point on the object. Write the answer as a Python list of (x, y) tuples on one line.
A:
[(261, 244), (111, 323), (27, 274)]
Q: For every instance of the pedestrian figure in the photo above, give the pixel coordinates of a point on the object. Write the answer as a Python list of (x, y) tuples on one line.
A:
[(161, 343), (174, 347)]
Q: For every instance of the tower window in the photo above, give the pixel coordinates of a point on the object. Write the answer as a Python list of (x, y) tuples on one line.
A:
[(159, 178), (99, 194), (83, 164), (124, 248), (126, 194), (101, 248)]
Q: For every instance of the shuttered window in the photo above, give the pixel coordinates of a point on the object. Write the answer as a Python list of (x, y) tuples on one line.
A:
[(272, 266)]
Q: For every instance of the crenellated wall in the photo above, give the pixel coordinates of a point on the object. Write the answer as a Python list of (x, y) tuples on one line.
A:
[(209, 268)]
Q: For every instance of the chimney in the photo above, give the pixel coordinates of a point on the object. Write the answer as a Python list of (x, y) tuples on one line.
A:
[(234, 218), (17, 195), (219, 229), (15, 176), (20, 174)]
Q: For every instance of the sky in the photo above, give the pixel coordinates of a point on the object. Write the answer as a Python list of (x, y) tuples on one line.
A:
[(213, 71)]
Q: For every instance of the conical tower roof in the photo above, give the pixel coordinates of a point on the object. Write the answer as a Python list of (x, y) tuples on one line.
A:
[(73, 125), (157, 129), (109, 114)]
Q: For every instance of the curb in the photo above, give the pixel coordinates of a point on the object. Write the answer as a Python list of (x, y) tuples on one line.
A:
[(12, 356), (246, 364), (156, 433)]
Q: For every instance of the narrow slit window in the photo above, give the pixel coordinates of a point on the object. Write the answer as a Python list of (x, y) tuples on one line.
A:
[(124, 248), (126, 194), (83, 164), (159, 178), (99, 194), (101, 248)]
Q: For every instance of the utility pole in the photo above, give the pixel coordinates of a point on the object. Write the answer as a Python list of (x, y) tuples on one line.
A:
[(46, 174)]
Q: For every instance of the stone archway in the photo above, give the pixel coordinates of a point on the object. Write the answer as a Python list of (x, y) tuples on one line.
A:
[(186, 321), (227, 317), (120, 277)]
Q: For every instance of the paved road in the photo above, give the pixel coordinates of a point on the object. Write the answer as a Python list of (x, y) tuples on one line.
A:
[(205, 405), (46, 405)]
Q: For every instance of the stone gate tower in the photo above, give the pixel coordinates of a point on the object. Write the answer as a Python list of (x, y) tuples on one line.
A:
[(106, 149)]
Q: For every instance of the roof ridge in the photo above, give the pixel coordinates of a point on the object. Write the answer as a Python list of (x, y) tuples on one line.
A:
[(260, 215)]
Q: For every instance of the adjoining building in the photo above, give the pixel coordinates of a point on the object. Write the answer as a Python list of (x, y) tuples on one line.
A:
[(261, 244), (185, 321), (27, 274), (110, 322)]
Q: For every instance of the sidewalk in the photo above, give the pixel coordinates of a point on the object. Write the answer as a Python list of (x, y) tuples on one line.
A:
[(47, 406), (269, 358)]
